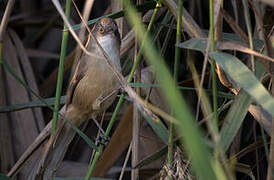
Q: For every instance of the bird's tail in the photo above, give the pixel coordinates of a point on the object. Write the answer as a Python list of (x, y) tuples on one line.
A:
[(53, 153)]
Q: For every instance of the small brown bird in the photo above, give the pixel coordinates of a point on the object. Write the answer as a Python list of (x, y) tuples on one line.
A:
[(92, 90)]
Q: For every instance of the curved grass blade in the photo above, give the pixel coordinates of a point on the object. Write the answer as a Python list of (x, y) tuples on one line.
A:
[(245, 79), (237, 113), (199, 44), (32, 104), (234, 119), (60, 75), (220, 94)]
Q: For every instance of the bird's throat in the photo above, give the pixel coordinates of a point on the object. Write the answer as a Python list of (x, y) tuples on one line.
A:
[(112, 47)]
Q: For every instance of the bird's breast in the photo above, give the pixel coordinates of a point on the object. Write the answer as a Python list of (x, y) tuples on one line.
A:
[(98, 83), (112, 47)]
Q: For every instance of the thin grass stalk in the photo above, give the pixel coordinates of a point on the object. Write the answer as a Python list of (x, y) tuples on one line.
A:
[(178, 39), (213, 64), (139, 55), (60, 70), (121, 99), (125, 162), (265, 143), (204, 100), (175, 77), (256, 150), (170, 145), (224, 171), (219, 153), (249, 31), (84, 18), (136, 120), (250, 38), (136, 114)]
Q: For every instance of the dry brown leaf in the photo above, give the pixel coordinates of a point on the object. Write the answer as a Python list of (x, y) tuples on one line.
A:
[(22, 121), (241, 48), (234, 26), (217, 6), (6, 153), (29, 76)]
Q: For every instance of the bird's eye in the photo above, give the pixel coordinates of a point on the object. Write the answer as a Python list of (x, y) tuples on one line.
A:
[(101, 30)]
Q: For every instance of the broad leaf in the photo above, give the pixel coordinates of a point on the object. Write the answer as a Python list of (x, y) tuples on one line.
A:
[(245, 79)]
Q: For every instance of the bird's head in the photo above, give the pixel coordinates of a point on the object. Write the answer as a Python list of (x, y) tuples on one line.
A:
[(107, 35), (106, 27)]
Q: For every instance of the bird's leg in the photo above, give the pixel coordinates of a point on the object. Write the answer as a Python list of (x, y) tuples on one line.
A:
[(102, 138)]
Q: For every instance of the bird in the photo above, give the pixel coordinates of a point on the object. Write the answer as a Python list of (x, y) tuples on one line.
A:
[(91, 91)]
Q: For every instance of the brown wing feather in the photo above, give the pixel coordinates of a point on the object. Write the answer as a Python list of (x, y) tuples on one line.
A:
[(78, 75)]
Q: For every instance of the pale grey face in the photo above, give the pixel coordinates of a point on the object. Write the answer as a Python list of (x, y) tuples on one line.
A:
[(107, 34), (107, 26)]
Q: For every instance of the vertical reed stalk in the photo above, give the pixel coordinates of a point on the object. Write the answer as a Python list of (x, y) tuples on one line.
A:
[(249, 31), (213, 64), (175, 76), (60, 71)]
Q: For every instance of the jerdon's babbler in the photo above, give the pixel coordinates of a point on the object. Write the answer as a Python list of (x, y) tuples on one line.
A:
[(92, 90)]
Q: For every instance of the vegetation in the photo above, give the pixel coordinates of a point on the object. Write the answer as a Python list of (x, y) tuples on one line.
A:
[(196, 97)]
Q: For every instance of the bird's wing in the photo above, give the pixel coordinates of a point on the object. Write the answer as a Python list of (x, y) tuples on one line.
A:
[(78, 75)]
